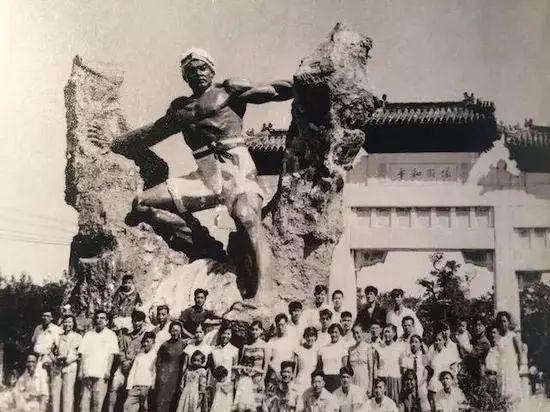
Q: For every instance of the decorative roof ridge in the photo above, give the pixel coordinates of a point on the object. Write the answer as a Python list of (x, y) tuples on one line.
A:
[(526, 135), (469, 101)]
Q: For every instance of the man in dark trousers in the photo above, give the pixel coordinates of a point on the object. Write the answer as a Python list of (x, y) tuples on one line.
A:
[(371, 312)]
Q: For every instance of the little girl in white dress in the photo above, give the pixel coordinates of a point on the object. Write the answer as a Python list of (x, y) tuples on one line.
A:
[(245, 400), (223, 396)]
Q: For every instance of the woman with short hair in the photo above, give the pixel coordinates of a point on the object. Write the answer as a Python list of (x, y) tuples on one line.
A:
[(332, 357), (65, 364)]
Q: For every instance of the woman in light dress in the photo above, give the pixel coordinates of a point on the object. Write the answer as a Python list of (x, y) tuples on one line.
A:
[(509, 349), (363, 359), (225, 354), (305, 359), (258, 350), (390, 352)]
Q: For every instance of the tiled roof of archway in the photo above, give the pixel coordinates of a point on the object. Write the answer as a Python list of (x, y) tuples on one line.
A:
[(461, 112)]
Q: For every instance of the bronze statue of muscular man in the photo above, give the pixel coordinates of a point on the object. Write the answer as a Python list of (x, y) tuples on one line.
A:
[(211, 120)]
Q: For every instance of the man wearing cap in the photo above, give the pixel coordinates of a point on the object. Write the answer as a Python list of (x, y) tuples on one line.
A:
[(211, 120)]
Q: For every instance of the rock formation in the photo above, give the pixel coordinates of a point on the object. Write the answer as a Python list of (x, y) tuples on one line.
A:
[(332, 102)]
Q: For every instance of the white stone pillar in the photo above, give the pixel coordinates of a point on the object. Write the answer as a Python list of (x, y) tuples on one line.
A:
[(506, 281), (342, 273)]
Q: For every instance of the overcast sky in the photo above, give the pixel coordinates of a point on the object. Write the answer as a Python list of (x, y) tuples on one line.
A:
[(423, 50)]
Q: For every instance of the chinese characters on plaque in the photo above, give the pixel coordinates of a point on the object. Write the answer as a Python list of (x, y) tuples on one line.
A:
[(412, 171)]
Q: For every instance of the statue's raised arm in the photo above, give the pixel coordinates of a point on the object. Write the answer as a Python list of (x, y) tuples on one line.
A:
[(153, 133), (247, 92)]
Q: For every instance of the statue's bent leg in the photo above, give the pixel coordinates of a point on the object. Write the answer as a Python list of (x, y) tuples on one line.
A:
[(247, 213), (166, 202)]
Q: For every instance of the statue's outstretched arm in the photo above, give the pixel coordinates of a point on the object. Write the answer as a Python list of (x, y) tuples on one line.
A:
[(144, 136), (246, 92)]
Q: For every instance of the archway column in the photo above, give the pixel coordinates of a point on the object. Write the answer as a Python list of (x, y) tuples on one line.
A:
[(506, 281)]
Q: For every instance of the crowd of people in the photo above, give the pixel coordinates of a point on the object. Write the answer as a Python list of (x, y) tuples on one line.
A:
[(321, 357)]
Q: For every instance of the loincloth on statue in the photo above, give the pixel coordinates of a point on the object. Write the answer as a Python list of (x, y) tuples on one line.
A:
[(220, 177)]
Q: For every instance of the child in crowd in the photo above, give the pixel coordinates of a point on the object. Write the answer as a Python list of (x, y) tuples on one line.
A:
[(409, 400), (363, 359), (195, 385), (305, 359), (245, 398), (223, 392), (449, 398), (7, 399), (463, 338), (141, 378), (125, 300), (271, 401), (390, 352)]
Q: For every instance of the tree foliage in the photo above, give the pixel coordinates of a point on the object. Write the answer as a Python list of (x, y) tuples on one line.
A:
[(446, 296), (535, 317), (22, 303)]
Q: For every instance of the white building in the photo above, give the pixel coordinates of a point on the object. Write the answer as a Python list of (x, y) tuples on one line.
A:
[(442, 176)]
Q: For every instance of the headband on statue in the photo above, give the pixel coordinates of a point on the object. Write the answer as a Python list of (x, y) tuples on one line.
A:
[(197, 54)]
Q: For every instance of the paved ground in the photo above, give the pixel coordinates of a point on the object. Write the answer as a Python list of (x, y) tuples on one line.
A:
[(536, 403)]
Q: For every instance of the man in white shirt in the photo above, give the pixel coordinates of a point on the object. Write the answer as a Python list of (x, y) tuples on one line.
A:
[(141, 378), (45, 337), (31, 392), (280, 346), (96, 350), (350, 397), (375, 333), (162, 333), (311, 315), (325, 320), (399, 311), (450, 398), (337, 306), (296, 325), (317, 398), (450, 347), (380, 402), (346, 321)]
